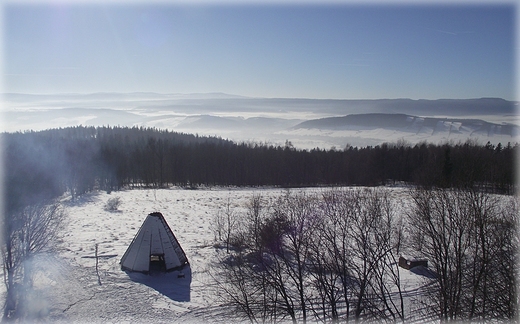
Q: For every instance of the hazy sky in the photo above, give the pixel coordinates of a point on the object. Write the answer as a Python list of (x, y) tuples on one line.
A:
[(282, 50)]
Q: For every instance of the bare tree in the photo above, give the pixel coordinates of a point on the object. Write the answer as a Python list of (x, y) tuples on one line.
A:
[(387, 300), (444, 229), (327, 301), (355, 260), (506, 262), (492, 267), (301, 214), (333, 254), (226, 224), (329, 256), (237, 286), (250, 279), (470, 239), (372, 264), (256, 214), (27, 233)]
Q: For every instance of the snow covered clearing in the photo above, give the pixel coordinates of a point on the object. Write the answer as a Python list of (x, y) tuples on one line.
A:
[(69, 289)]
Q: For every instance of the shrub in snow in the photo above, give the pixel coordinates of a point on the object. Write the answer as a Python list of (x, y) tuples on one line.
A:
[(113, 204)]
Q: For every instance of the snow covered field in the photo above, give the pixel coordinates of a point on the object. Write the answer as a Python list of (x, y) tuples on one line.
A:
[(68, 289)]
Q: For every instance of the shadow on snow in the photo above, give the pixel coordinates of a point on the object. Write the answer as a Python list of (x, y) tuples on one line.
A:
[(425, 272), (175, 285)]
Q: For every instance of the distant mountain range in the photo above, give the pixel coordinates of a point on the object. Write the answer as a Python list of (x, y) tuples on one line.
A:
[(227, 102), (307, 123)]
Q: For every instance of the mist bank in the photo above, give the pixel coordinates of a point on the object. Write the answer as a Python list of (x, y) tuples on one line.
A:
[(269, 120)]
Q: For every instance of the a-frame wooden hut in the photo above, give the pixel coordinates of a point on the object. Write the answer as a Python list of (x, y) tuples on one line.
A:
[(154, 248)]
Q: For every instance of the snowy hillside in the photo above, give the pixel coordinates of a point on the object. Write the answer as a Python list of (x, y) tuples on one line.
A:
[(69, 289), (376, 128)]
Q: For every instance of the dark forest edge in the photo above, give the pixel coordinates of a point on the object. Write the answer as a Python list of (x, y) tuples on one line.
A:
[(47, 164)]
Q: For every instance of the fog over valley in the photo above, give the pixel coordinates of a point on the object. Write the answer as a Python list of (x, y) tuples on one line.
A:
[(306, 123)]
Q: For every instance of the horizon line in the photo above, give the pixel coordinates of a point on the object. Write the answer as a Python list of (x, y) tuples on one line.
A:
[(236, 96)]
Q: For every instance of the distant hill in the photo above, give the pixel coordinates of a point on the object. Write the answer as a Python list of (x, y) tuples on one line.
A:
[(445, 107), (409, 123), (203, 102)]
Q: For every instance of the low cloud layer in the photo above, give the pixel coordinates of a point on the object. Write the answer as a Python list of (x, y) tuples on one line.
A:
[(307, 123)]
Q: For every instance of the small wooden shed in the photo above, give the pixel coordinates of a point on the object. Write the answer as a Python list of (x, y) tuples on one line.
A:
[(409, 262)]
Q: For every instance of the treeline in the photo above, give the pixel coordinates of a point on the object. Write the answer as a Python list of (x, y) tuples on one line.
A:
[(82, 159)]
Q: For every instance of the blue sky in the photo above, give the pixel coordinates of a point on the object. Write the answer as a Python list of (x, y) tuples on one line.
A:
[(339, 51)]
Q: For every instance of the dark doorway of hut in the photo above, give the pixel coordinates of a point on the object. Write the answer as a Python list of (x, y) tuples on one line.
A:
[(157, 264)]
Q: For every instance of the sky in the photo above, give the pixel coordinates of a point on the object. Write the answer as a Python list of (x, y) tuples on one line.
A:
[(339, 50)]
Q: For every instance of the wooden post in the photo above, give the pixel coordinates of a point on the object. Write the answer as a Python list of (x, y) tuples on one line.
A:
[(97, 263)]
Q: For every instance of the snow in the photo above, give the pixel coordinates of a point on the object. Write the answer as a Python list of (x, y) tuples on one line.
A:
[(68, 288), (123, 297)]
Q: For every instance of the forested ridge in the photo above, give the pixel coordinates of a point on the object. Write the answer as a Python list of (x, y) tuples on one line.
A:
[(48, 163)]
